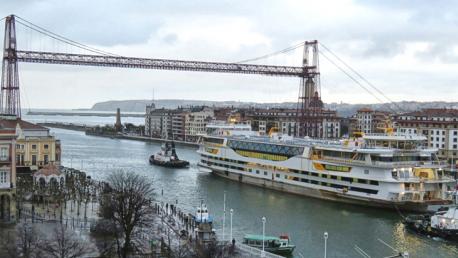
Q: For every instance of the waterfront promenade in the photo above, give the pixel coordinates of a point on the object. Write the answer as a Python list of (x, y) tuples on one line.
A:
[(172, 229)]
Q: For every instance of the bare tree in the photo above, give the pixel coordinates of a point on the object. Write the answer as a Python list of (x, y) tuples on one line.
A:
[(130, 203), (64, 244), (21, 243)]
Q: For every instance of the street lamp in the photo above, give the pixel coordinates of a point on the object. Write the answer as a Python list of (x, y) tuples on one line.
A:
[(325, 243), (232, 212), (263, 254), (224, 213)]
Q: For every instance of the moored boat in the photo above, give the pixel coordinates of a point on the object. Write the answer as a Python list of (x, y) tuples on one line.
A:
[(277, 245), (167, 157), (443, 224), (389, 170), (202, 215)]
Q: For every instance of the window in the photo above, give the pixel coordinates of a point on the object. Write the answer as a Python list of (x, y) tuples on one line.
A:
[(3, 178), (277, 175), (4, 153), (46, 146), (34, 160), (34, 146), (46, 159), (265, 173)]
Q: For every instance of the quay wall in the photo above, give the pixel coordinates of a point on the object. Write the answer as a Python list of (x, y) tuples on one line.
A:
[(69, 126), (87, 130)]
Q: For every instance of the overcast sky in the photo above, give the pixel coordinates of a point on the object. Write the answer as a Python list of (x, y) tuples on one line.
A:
[(408, 49)]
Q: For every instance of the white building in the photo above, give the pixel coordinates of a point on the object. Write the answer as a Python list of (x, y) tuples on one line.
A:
[(440, 126), (195, 122)]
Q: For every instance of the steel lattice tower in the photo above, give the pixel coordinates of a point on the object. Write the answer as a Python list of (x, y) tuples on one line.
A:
[(10, 101), (309, 105)]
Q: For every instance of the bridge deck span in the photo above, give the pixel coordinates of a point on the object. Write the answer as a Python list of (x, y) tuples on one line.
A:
[(162, 64)]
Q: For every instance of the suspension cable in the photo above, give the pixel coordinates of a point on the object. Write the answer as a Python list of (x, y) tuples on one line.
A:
[(53, 35), (360, 76), (288, 49), (355, 80)]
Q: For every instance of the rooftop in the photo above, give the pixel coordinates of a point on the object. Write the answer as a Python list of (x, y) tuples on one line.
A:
[(11, 124), (434, 112), (48, 170)]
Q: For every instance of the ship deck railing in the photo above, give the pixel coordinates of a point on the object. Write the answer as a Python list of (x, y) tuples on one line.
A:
[(248, 251)]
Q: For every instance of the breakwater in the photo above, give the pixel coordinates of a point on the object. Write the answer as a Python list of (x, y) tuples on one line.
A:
[(89, 131), (102, 114)]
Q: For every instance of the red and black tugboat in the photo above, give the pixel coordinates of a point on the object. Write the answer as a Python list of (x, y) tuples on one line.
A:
[(167, 157)]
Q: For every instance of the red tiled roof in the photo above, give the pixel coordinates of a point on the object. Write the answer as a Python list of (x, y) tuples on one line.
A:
[(11, 124), (48, 170), (440, 112), (365, 110)]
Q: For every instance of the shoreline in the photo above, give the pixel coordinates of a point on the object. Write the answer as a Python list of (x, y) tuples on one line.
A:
[(84, 128)]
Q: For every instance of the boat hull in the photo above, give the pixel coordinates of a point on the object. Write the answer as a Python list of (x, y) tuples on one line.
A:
[(169, 164), (323, 194), (422, 225)]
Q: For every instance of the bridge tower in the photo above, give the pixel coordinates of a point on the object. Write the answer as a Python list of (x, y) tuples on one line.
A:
[(10, 101), (309, 106)]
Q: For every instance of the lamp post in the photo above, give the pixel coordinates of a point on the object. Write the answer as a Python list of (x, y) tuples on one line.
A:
[(263, 254), (224, 213), (325, 243), (232, 212)]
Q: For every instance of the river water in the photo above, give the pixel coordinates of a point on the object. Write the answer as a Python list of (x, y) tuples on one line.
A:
[(304, 219)]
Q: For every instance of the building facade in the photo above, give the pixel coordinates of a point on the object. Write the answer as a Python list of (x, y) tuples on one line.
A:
[(440, 126), (35, 147), (196, 121), (7, 175), (369, 121), (327, 125), (183, 124)]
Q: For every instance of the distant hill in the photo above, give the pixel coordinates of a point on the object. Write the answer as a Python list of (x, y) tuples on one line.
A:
[(343, 109)]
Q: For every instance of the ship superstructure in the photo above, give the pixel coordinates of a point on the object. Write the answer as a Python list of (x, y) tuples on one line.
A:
[(389, 170)]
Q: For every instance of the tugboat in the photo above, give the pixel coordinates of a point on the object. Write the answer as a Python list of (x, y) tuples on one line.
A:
[(167, 157), (277, 245), (443, 224)]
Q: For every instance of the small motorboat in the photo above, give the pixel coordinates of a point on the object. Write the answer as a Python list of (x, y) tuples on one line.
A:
[(443, 224), (278, 245), (167, 157)]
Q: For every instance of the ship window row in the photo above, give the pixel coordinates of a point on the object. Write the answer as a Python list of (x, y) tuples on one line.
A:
[(222, 165), (305, 180), (340, 178), (214, 140), (265, 156), (337, 186), (400, 158), (224, 159), (314, 174), (284, 150)]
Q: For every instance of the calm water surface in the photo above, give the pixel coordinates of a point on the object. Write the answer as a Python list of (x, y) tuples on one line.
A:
[(304, 219)]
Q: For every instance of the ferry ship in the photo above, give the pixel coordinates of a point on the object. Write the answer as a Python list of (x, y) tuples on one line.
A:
[(392, 170)]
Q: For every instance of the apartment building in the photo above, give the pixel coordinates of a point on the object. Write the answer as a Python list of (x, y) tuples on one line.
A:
[(440, 126), (184, 124), (7, 175), (326, 125), (369, 121)]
